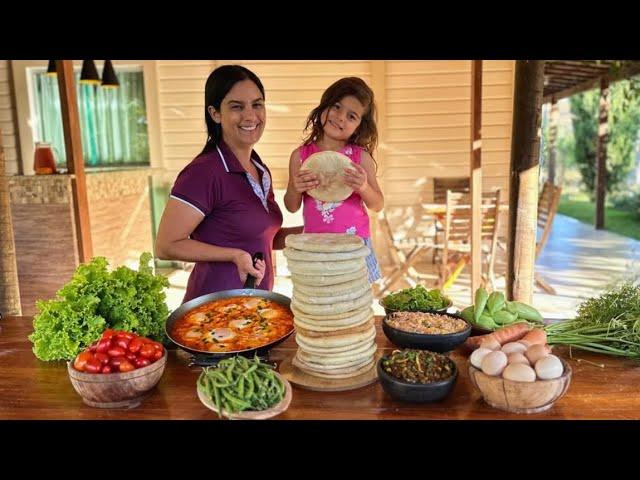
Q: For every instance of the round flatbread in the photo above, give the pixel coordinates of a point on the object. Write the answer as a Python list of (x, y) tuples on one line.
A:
[(354, 373), (338, 307), (295, 254), (320, 327), (352, 347), (338, 358), (325, 268), (325, 280), (329, 167), (329, 299), (364, 327), (332, 317), (345, 367), (337, 340), (324, 242), (337, 289), (325, 325)]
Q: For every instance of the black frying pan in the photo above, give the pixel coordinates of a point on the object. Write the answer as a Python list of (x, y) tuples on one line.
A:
[(248, 290)]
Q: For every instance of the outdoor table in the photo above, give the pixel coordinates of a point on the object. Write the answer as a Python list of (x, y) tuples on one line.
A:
[(32, 389)]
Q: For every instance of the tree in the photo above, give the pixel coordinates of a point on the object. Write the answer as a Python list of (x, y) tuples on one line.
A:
[(624, 123)]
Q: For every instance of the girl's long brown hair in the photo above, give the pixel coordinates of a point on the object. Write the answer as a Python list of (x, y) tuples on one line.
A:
[(366, 135)]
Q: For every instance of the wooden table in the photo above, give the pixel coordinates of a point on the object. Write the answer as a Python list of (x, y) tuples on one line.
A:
[(31, 389)]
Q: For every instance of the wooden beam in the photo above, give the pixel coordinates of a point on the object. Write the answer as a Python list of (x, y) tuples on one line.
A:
[(379, 87), (601, 153), (475, 175), (553, 132), (75, 160), (625, 72), (523, 181)]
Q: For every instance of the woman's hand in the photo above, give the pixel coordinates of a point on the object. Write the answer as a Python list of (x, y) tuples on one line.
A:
[(305, 180), (356, 178), (244, 263)]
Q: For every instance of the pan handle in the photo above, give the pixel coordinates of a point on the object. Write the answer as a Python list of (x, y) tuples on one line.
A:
[(251, 280)]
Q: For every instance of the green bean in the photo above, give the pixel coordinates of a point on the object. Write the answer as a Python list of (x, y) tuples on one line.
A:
[(241, 387), (240, 403), (216, 397), (250, 388)]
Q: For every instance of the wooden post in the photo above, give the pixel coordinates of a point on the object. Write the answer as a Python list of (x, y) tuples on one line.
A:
[(75, 160), (523, 181), (475, 175), (601, 153), (9, 286), (379, 87), (553, 133)]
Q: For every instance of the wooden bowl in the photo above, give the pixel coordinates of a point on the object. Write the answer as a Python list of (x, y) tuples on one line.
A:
[(520, 397), (117, 390), (277, 409)]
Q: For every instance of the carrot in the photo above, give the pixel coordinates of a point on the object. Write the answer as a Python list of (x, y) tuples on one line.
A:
[(536, 336), (510, 333)]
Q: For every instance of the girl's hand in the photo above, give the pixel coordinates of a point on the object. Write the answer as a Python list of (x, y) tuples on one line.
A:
[(356, 178), (305, 180), (244, 263)]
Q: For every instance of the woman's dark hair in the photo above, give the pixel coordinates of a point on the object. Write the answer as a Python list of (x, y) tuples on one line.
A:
[(220, 81), (366, 135)]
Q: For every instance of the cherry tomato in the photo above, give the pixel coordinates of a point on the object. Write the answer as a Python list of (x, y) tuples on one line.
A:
[(142, 362), (93, 347), (135, 344), (158, 355), (108, 333), (103, 345), (115, 362), (128, 335), (103, 357), (147, 350), (93, 366), (116, 352), (81, 360), (122, 342), (126, 366), (131, 357), (158, 346), (106, 369)]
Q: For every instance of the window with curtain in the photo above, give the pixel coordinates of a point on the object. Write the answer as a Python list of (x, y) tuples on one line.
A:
[(113, 121)]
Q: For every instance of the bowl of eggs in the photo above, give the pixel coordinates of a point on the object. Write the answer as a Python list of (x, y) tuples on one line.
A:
[(519, 377)]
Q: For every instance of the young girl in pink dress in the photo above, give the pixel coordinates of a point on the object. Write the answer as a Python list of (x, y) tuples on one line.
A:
[(343, 122)]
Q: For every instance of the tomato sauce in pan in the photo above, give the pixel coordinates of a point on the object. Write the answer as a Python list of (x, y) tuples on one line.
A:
[(233, 324)]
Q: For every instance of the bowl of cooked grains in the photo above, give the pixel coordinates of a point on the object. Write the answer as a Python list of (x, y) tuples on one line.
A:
[(417, 375), (438, 332)]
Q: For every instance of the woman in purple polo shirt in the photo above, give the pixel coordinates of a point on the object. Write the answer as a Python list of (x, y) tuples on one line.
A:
[(222, 209)]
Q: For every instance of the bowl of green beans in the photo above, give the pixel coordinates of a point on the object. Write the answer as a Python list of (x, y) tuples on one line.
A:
[(241, 388)]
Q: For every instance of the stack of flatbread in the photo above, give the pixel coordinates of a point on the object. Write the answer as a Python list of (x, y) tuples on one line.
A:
[(331, 304)]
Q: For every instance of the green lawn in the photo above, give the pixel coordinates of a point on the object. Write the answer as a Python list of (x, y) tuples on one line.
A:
[(617, 221)]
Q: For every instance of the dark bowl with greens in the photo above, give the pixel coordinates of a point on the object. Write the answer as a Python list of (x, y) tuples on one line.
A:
[(417, 376), (416, 299)]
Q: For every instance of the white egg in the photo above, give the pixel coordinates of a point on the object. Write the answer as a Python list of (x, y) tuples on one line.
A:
[(490, 343), (222, 334), (519, 372), (513, 347), (549, 367), (240, 323), (517, 357), (536, 352), (526, 343), (199, 317), (477, 356), (493, 363)]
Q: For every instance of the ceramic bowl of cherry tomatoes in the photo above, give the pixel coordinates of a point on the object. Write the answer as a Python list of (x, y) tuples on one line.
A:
[(117, 371)]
